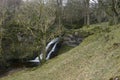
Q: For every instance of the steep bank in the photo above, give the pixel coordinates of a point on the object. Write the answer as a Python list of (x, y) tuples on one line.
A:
[(96, 58)]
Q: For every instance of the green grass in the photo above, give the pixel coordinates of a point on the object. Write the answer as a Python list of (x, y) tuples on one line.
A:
[(96, 58), (64, 49)]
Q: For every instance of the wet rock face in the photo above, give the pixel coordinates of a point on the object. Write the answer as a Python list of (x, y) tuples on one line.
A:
[(72, 39)]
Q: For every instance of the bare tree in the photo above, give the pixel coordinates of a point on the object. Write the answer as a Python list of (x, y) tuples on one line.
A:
[(59, 12), (111, 7), (37, 18), (3, 16), (87, 12)]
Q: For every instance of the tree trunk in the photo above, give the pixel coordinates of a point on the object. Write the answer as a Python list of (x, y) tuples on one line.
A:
[(59, 14), (87, 13), (114, 9), (116, 19), (44, 41)]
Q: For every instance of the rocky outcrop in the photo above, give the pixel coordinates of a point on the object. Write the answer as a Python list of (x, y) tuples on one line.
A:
[(72, 39)]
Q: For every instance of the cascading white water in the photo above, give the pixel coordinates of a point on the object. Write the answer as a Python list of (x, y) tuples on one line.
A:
[(55, 42), (53, 49), (52, 42)]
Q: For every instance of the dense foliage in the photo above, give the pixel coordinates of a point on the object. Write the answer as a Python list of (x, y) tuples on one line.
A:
[(27, 26)]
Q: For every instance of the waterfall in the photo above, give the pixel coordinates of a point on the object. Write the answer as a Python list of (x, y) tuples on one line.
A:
[(53, 49), (52, 42), (55, 42)]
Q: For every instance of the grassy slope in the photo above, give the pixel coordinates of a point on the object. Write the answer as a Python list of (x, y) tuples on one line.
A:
[(97, 58)]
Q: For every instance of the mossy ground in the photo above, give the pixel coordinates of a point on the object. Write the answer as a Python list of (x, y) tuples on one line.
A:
[(96, 58)]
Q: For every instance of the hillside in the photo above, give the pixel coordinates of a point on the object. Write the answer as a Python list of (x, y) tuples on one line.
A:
[(96, 58)]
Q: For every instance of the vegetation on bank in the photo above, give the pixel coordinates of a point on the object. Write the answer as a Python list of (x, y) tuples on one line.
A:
[(96, 58), (26, 27)]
